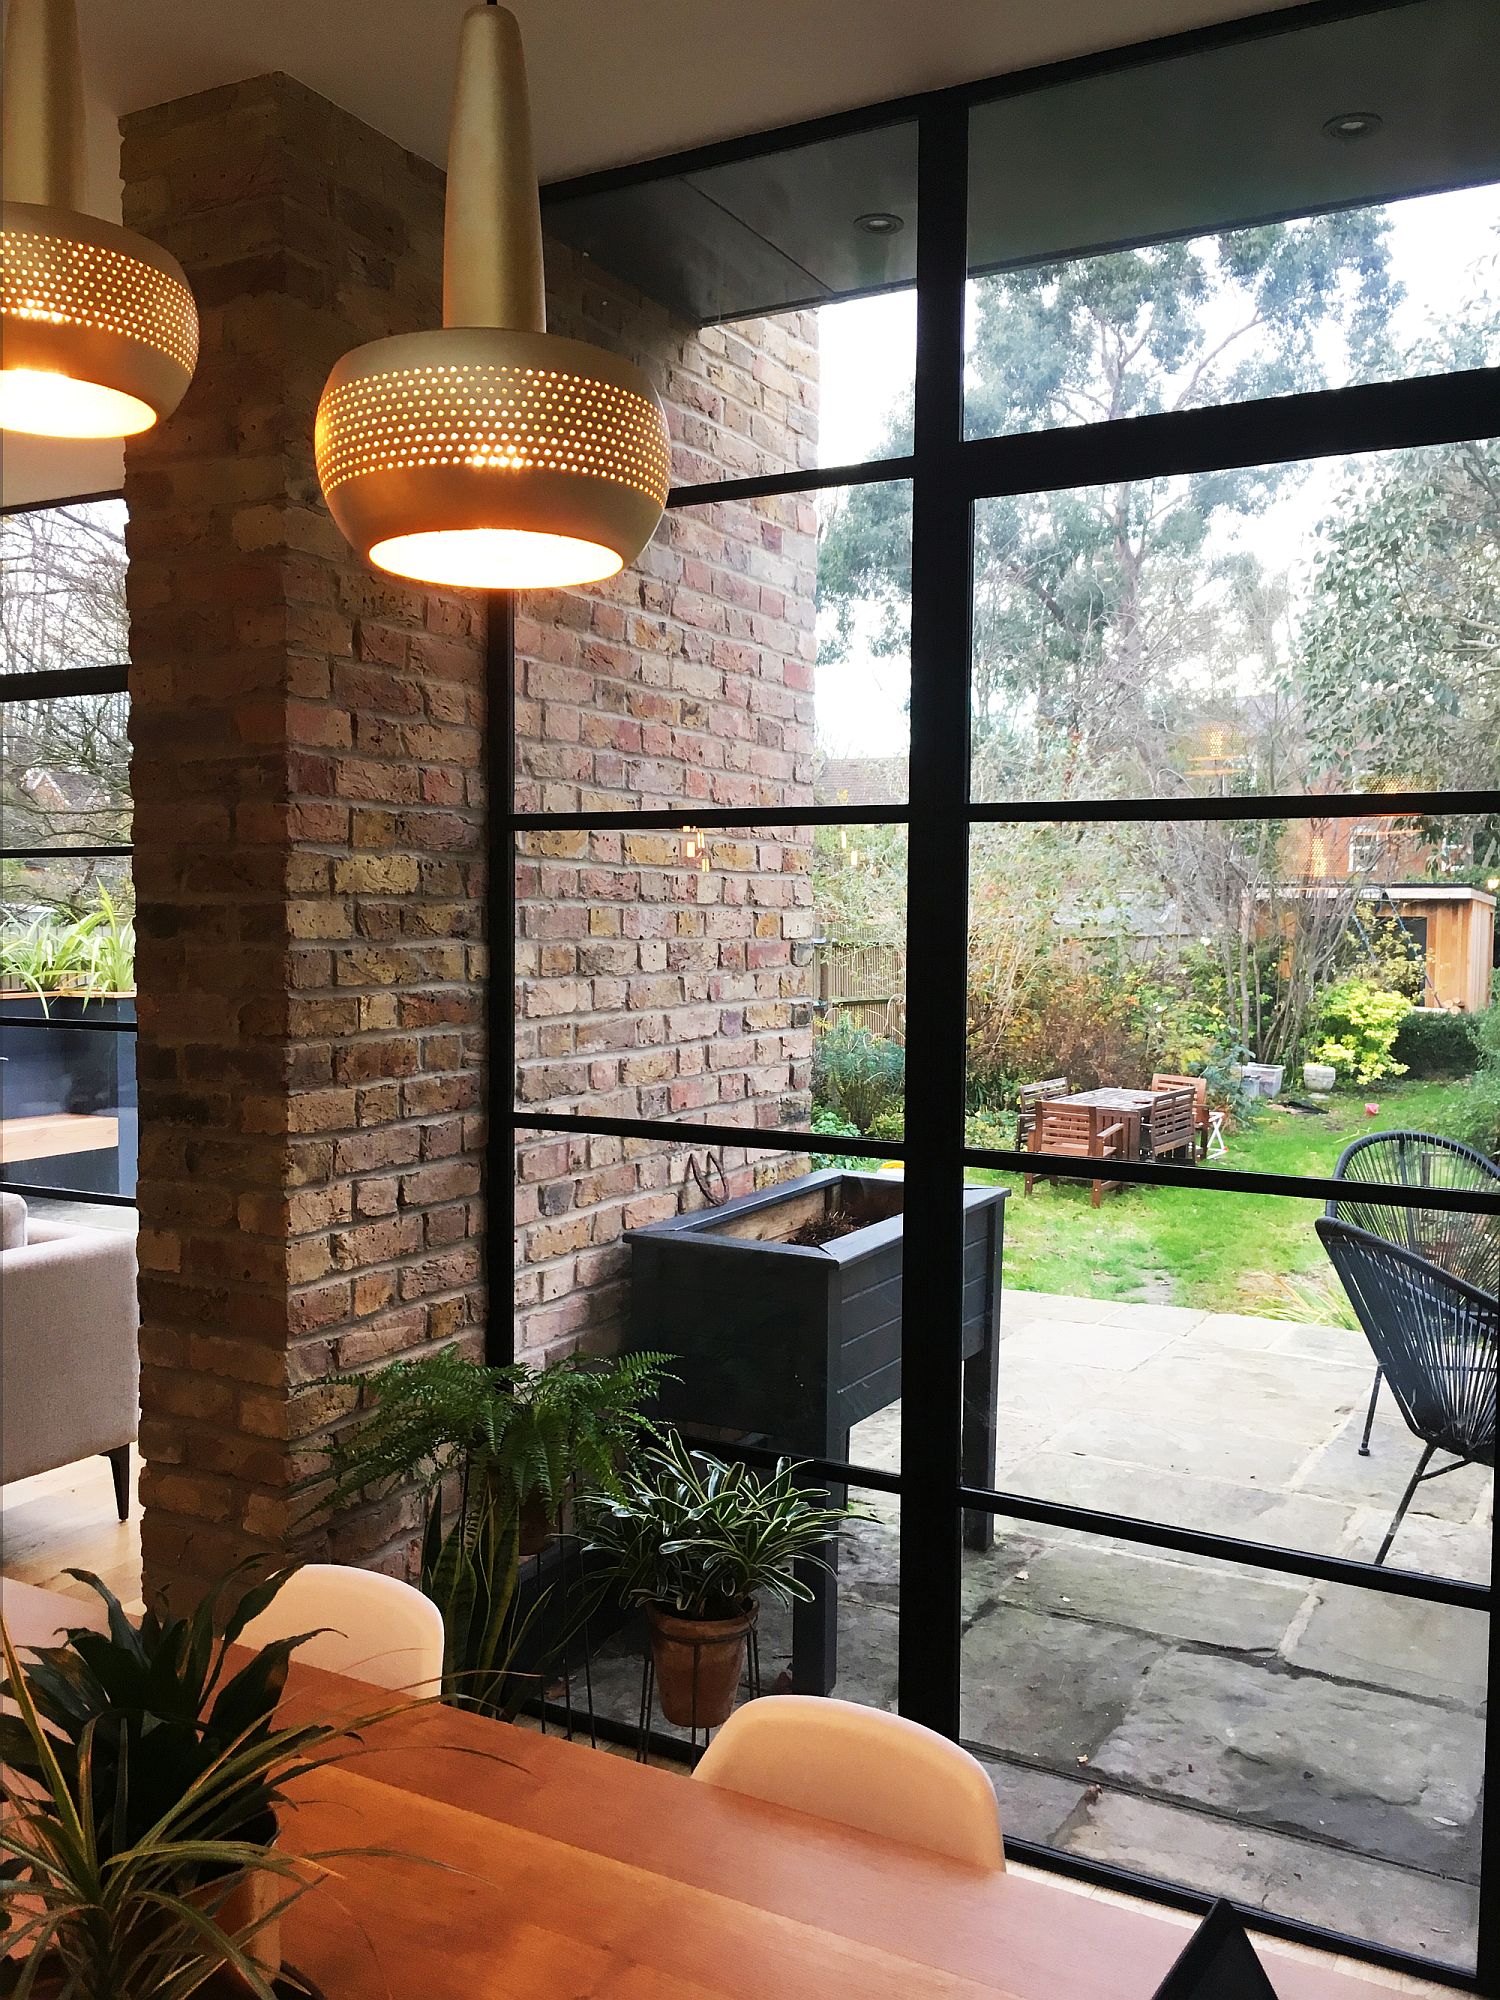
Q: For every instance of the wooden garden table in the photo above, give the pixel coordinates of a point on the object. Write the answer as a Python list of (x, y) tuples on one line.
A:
[(539, 1868), (1131, 1107)]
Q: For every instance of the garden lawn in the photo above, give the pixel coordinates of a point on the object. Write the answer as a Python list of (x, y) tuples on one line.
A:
[(1203, 1247)]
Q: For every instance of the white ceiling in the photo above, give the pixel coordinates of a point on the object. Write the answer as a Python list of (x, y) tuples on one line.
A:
[(612, 80)]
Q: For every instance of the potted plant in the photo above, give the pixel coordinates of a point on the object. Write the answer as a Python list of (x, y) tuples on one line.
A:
[(138, 1856), (516, 1443), (694, 1540)]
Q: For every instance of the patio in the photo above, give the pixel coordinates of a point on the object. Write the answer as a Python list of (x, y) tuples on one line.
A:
[(1311, 1749)]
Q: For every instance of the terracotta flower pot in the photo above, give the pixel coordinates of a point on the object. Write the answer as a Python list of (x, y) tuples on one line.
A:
[(698, 1664), (538, 1523)]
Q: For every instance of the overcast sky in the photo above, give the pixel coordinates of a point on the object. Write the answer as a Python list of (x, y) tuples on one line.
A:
[(1443, 248)]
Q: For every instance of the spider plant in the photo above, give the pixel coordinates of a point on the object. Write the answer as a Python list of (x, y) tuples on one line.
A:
[(142, 1780), (106, 944), (55, 953), (517, 1442), (691, 1534)]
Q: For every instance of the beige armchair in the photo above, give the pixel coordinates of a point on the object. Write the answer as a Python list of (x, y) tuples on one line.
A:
[(69, 1360)]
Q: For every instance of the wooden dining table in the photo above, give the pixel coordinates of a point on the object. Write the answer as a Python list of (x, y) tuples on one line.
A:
[(1131, 1107), (517, 1866)]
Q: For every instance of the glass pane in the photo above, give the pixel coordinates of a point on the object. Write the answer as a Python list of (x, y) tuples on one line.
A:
[(1287, 628), (67, 1069), (65, 771), (62, 603), (789, 335), (757, 655), (753, 979), (1313, 982), (1197, 1358), (1311, 1749), (1237, 223)]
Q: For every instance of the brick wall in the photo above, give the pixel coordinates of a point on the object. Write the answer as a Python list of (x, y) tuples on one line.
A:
[(309, 840), (649, 987)]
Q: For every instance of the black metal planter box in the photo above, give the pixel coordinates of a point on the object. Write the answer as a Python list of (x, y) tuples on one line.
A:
[(793, 1344)]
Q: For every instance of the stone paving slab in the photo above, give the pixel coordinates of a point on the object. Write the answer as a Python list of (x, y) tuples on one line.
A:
[(1337, 1471), (1202, 1441), (1190, 1500), (1102, 1345), (1044, 1690), (1379, 1773), (1143, 1592), (1438, 1651), (1397, 1907)]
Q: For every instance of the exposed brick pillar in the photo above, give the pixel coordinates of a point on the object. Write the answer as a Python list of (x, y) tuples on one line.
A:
[(309, 837)]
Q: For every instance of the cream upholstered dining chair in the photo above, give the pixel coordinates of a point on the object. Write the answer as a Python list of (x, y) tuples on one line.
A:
[(368, 1627), (862, 1767)]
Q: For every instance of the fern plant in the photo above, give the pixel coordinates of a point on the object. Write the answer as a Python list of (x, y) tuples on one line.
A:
[(516, 1442)]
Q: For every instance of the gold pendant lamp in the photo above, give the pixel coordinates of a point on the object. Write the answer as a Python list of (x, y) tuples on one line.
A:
[(98, 330), (490, 453)]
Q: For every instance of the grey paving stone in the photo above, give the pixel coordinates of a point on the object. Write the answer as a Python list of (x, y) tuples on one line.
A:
[(1399, 1907), (1220, 1506), (1338, 1471), (1048, 1691), (1437, 1651), (1107, 1344), (1202, 1441), (1458, 1549), (1034, 1805), (1381, 1774), (1144, 1592)]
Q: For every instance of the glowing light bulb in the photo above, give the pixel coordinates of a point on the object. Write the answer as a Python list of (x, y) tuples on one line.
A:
[(495, 558), (43, 404)]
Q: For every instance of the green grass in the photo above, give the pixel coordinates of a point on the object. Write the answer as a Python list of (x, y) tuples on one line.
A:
[(1202, 1247)]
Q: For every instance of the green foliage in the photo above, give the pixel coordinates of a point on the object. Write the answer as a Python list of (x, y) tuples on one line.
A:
[(856, 1074), (1356, 1032), (152, 1778), (511, 1439), (1429, 1043), (699, 1536), (989, 1129), (1479, 1108), (824, 1120), (56, 953)]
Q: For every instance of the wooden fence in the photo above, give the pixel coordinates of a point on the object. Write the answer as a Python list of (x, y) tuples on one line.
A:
[(865, 983)]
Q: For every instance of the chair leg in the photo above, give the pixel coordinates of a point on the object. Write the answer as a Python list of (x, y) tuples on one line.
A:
[(1364, 1443), (1406, 1500), (119, 1468)]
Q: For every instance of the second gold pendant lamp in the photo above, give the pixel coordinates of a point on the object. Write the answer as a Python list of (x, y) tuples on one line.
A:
[(490, 453)]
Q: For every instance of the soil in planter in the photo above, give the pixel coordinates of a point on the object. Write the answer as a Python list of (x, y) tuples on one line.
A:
[(825, 1229)]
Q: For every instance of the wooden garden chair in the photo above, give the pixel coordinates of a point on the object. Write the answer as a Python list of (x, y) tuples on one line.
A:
[(1198, 1085), (1077, 1131), (1028, 1098), (1172, 1128)]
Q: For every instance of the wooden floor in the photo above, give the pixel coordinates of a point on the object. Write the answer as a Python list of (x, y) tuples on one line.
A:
[(66, 1519)]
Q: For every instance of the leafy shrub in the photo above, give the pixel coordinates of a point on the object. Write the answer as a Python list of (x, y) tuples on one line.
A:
[(1434, 1044), (990, 1129), (857, 1074), (824, 1120), (888, 1124), (1357, 1028), (1479, 1107), (1226, 1087), (56, 953)]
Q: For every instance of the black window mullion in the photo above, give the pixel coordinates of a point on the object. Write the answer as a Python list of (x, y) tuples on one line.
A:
[(1319, 423), (500, 1011), (937, 941)]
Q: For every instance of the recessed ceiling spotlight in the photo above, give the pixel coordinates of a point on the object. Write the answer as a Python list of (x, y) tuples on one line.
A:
[(1353, 125), (879, 222)]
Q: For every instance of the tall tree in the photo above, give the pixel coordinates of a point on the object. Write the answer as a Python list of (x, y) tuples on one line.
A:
[(1087, 603)]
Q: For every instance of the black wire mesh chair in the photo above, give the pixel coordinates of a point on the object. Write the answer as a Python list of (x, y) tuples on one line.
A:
[(1466, 1245), (1435, 1337)]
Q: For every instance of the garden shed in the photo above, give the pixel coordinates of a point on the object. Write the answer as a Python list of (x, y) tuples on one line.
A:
[(1455, 927)]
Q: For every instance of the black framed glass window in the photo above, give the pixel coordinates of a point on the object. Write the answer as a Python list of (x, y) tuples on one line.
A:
[(1196, 807), (67, 932)]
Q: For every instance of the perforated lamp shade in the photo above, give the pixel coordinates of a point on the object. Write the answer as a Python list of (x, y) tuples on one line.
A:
[(489, 453), (98, 330)]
